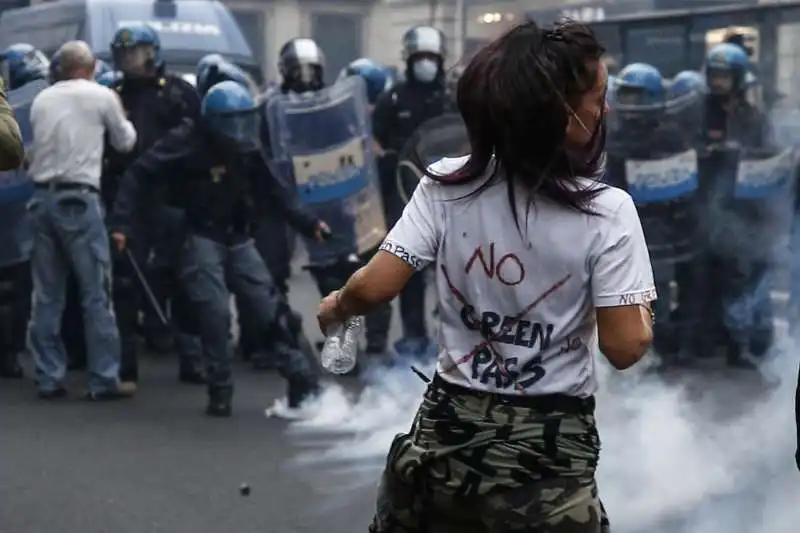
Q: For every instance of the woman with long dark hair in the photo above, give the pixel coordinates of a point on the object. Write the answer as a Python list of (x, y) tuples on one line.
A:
[(537, 263)]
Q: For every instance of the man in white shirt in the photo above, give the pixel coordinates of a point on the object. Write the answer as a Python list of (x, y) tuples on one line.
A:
[(69, 121)]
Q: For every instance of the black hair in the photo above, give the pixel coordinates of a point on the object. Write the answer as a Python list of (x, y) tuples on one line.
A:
[(516, 98)]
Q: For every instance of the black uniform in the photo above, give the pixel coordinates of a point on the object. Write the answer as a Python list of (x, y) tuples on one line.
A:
[(275, 241), (397, 115), (155, 106), (669, 225), (222, 193), (735, 265)]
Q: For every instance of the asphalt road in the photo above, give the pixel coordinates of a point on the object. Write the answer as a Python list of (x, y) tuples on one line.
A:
[(155, 463)]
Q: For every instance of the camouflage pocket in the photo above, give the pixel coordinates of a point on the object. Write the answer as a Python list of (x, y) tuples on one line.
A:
[(557, 505), (399, 504)]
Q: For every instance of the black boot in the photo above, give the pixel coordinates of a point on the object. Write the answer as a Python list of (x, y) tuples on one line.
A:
[(300, 391), (736, 357), (761, 341), (9, 367), (190, 374), (219, 401)]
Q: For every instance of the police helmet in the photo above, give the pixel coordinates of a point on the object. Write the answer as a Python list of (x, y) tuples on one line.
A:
[(136, 49), (108, 79), (424, 40), (22, 63), (685, 98), (219, 72), (230, 112), (726, 68), (373, 75), (640, 84), (207, 61), (687, 81), (302, 65), (424, 52)]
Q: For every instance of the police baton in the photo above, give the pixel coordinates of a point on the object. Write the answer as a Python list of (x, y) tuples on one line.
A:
[(146, 286)]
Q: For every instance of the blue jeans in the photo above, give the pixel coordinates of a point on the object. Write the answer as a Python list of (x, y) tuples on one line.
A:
[(69, 232), (208, 269)]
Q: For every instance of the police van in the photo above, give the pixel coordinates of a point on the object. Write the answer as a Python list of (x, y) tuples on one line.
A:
[(189, 29)]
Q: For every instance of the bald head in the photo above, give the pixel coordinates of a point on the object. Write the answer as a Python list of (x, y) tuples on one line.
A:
[(76, 60)]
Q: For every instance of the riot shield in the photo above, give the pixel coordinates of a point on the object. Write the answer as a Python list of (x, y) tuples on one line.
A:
[(322, 142), (785, 126), (634, 127), (16, 187), (662, 180), (761, 175), (439, 137), (750, 201)]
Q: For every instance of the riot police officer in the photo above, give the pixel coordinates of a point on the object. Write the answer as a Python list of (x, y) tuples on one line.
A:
[(156, 102), (219, 71), (333, 275), (22, 65), (374, 77), (649, 155), (205, 62), (301, 64), (216, 173), (738, 272), (398, 113)]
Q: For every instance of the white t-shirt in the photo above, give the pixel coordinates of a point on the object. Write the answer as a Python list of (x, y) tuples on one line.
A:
[(534, 296), (69, 121)]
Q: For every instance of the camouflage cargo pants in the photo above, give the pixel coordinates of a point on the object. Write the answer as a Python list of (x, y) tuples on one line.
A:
[(478, 464)]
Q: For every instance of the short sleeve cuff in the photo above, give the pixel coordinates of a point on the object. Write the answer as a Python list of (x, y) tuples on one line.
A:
[(628, 298), (405, 253)]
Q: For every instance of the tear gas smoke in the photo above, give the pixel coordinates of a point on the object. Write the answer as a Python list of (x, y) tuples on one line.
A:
[(704, 451)]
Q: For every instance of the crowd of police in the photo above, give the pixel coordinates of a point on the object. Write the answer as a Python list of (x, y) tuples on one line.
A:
[(205, 206), (712, 173), (202, 208)]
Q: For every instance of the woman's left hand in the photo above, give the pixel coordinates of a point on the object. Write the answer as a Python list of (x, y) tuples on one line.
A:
[(329, 313)]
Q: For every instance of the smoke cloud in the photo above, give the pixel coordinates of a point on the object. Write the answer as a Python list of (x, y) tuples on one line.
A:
[(701, 450)]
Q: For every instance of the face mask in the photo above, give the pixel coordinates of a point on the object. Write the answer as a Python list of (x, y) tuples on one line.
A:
[(425, 70), (589, 159)]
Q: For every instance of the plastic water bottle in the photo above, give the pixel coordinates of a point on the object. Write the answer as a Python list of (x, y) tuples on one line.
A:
[(340, 351)]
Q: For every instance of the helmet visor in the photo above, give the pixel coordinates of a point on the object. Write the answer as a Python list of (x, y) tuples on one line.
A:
[(239, 127), (138, 60)]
